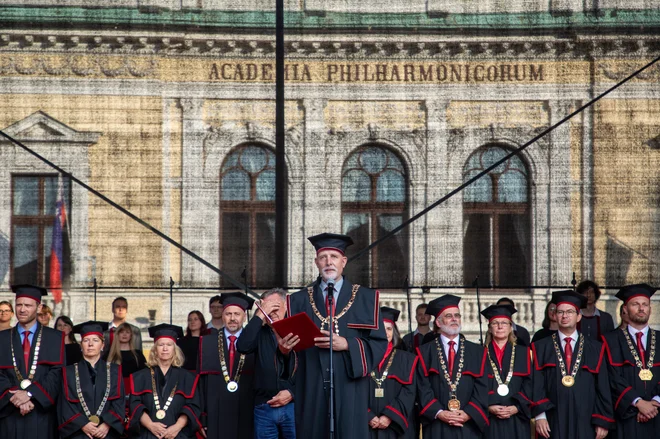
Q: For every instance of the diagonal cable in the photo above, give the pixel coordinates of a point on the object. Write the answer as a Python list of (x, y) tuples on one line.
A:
[(499, 162), (131, 215)]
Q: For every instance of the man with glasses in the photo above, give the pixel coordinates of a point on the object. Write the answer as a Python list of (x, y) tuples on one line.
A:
[(452, 386), (571, 395), (6, 314)]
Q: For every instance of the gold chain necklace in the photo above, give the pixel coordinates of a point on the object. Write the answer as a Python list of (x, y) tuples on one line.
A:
[(503, 387), (568, 380), (379, 392), (453, 404), (25, 383), (95, 419), (160, 413), (232, 385), (326, 320), (645, 374)]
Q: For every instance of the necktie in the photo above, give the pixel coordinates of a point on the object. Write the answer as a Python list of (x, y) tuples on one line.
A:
[(450, 358), (26, 350), (640, 346), (327, 304), (415, 342), (232, 353), (112, 335), (568, 351)]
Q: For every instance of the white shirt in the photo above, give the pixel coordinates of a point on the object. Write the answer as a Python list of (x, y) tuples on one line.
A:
[(445, 345), (227, 334), (574, 336), (633, 332), (209, 325), (337, 288)]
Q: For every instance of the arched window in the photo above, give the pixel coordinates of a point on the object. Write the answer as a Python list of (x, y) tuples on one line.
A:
[(247, 215), (374, 188), (496, 224)]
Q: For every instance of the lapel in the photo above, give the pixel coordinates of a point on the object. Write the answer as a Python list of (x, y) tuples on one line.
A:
[(101, 384), (86, 387), (506, 360), (344, 295), (318, 299)]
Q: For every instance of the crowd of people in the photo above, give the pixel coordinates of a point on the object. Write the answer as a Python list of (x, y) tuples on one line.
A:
[(577, 377)]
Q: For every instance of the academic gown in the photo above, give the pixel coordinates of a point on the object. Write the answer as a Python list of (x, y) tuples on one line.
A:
[(627, 386), (595, 327), (398, 398), (190, 347), (70, 412), (227, 415), (185, 401), (412, 341), (363, 329), (73, 353), (520, 392), (542, 333), (572, 412), (42, 421), (433, 390)]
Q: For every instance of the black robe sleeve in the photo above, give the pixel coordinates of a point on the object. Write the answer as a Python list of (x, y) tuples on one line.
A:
[(399, 409)]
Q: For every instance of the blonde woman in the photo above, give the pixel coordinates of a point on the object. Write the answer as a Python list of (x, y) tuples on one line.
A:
[(164, 401), (123, 352), (509, 377)]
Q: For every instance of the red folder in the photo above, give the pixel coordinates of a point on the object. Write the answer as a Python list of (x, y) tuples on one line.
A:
[(300, 325)]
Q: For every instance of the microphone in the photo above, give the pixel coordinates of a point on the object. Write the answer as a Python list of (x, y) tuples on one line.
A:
[(331, 287)]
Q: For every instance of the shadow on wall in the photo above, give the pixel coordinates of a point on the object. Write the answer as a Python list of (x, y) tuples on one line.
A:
[(4, 257)]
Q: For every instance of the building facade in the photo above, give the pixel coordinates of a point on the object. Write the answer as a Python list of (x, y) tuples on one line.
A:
[(167, 108)]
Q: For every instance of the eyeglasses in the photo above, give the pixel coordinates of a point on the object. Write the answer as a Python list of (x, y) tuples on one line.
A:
[(452, 316), (568, 312), (500, 324), (5, 311)]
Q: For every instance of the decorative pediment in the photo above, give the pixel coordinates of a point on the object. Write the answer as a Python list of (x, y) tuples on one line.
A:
[(40, 127)]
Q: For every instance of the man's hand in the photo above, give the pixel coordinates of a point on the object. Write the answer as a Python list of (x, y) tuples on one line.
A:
[(90, 430), (172, 431), (102, 431), (338, 343), (375, 422), (647, 408), (384, 422), (26, 408), (19, 397), (158, 429), (287, 343), (450, 417), (462, 417), (601, 432), (269, 306), (543, 428), (281, 399), (642, 419)]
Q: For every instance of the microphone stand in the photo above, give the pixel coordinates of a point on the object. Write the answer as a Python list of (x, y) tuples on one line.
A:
[(407, 286), (95, 287), (331, 288), (481, 331), (171, 298)]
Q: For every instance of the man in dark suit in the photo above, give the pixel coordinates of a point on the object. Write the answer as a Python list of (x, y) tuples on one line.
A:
[(119, 313)]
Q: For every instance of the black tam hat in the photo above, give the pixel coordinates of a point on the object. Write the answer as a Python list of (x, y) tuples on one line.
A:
[(165, 331), (436, 306), (91, 328), (390, 314), (331, 241), (499, 311), (243, 301), (629, 291), (31, 291), (571, 297)]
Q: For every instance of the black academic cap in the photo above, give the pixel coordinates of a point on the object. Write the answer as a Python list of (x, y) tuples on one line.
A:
[(243, 301), (569, 296), (164, 330), (390, 314), (332, 241), (629, 291), (436, 306), (31, 291), (499, 311), (91, 327)]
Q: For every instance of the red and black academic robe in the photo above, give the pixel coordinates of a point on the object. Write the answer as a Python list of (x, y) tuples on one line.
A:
[(399, 397), (226, 415), (595, 327), (42, 421), (572, 412), (363, 329), (627, 386), (190, 347), (185, 401), (520, 392), (71, 415), (433, 391)]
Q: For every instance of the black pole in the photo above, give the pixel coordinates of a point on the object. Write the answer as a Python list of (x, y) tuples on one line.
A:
[(171, 298), (95, 287), (331, 400), (280, 164), (409, 305), (574, 281), (481, 331)]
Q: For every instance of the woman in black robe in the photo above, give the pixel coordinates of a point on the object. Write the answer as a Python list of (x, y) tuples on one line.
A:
[(189, 343), (392, 387), (71, 346), (91, 402), (164, 398), (509, 377)]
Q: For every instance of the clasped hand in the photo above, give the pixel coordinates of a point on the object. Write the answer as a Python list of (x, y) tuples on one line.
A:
[(338, 343)]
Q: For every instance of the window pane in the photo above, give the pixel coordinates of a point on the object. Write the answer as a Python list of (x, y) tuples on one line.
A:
[(512, 188), (392, 253), (476, 249), (253, 159), (356, 186), (235, 245), (26, 196), (513, 242), (394, 162), (481, 191), (492, 155), (230, 162), (356, 225), (516, 163), (47, 246), (266, 186), (236, 186), (25, 247), (50, 195), (373, 160), (265, 250), (391, 186)]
